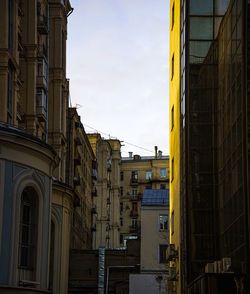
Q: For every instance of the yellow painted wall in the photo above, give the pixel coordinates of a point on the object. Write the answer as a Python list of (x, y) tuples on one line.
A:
[(174, 100)]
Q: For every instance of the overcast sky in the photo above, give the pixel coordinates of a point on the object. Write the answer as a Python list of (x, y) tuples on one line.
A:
[(118, 66)]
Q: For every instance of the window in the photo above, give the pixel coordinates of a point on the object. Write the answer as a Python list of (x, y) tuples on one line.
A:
[(62, 108), (148, 174), (172, 169), (173, 16), (134, 223), (121, 176), (121, 221), (121, 207), (63, 44), (121, 191), (28, 229), (121, 239), (172, 118), (163, 173), (163, 186), (134, 206), (172, 67), (148, 187), (134, 193), (162, 253), (163, 222), (10, 37), (9, 97), (134, 176), (172, 222)]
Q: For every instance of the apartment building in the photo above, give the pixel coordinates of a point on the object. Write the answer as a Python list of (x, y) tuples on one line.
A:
[(35, 199), (137, 174), (106, 226), (209, 189)]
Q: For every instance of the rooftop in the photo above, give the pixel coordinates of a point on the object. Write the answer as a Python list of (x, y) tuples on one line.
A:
[(152, 197), (144, 158)]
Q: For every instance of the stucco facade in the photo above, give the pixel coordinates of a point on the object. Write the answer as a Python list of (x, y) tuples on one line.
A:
[(106, 224), (137, 174)]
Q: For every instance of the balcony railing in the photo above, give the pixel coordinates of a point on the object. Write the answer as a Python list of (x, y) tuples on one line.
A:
[(133, 213), (42, 24)]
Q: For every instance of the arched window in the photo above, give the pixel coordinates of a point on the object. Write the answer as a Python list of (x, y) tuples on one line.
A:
[(28, 233)]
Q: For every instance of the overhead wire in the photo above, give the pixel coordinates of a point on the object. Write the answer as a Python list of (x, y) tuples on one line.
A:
[(112, 137)]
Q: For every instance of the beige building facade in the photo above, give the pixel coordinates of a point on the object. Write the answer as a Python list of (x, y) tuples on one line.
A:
[(35, 201), (137, 174), (108, 158)]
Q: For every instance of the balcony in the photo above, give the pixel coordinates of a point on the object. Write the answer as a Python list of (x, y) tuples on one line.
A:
[(109, 167), (134, 181), (77, 161), (42, 24), (93, 210), (94, 174), (41, 104), (94, 192), (77, 181), (133, 229), (42, 72)]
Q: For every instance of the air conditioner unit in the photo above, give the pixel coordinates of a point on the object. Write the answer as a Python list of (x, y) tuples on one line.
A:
[(226, 264), (218, 266), (171, 253), (209, 268)]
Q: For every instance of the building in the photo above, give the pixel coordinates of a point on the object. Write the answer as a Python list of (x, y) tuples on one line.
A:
[(35, 200), (209, 190), (80, 174), (137, 174), (106, 224), (154, 243)]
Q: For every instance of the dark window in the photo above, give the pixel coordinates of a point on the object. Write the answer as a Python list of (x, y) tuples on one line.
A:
[(121, 176), (10, 25), (121, 221), (63, 49), (121, 191), (163, 186), (172, 66), (121, 239), (172, 169), (134, 176), (134, 206), (162, 253), (28, 229), (163, 222), (172, 118), (9, 96), (172, 222), (121, 207), (62, 108)]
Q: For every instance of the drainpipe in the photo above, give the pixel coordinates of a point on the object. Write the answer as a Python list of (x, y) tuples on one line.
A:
[(101, 271)]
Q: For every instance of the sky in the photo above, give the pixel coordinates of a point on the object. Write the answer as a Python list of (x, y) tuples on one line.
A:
[(118, 66)]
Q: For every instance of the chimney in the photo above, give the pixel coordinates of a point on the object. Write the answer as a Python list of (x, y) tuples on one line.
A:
[(159, 153), (130, 154), (156, 148)]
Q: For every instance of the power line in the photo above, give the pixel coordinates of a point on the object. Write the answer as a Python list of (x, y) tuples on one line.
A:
[(112, 137)]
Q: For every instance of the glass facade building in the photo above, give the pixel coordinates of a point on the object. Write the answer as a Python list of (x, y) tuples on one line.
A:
[(214, 131)]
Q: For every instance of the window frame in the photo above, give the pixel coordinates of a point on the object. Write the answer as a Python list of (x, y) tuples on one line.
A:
[(165, 228)]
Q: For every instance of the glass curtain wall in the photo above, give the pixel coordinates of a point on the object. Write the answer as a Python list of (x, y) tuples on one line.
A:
[(232, 154), (199, 73)]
